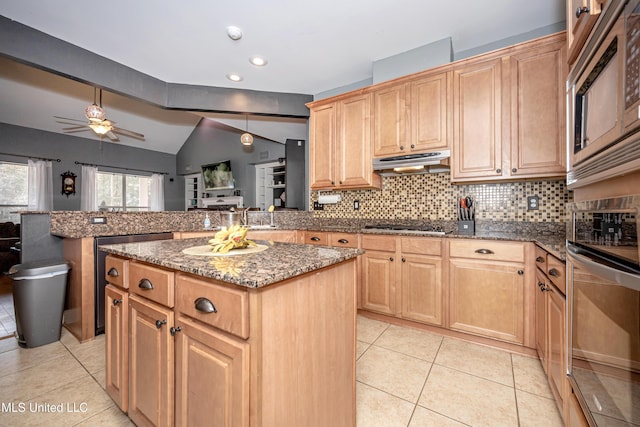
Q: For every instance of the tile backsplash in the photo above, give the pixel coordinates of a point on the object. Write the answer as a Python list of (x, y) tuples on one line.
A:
[(433, 197)]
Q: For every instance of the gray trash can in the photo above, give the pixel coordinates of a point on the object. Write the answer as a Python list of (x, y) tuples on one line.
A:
[(39, 289)]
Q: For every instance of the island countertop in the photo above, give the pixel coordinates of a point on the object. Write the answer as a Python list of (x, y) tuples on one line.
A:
[(280, 261)]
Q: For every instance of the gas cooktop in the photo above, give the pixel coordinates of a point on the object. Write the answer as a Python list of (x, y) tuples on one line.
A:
[(418, 229)]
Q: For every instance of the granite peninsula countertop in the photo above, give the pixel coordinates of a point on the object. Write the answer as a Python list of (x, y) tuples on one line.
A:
[(280, 261)]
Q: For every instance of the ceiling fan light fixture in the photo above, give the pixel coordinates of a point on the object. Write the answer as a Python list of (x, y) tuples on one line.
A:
[(94, 113), (101, 128)]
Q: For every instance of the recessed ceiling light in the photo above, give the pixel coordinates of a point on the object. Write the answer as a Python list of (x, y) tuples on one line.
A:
[(234, 32), (234, 77), (258, 61)]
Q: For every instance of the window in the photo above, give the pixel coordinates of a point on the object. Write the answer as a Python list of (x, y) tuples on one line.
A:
[(13, 190), (121, 192)]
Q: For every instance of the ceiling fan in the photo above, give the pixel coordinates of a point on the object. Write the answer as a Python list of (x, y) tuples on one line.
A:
[(97, 121)]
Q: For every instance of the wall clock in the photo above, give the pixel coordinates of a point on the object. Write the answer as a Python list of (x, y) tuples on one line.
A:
[(68, 183)]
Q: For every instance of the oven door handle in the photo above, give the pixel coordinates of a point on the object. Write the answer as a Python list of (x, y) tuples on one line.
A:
[(592, 264)]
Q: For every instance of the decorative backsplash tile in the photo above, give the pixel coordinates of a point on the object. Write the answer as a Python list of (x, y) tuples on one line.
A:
[(433, 197)]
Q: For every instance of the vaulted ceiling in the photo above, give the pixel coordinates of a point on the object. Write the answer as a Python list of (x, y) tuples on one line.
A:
[(311, 47)]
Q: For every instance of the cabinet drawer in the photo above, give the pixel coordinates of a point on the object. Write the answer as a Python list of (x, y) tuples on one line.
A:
[(346, 240), (116, 271), (214, 304), (315, 238), (556, 273), (541, 259), (378, 243), (487, 250), (421, 246), (154, 283)]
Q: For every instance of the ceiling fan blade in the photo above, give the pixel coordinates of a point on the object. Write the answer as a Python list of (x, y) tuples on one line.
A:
[(72, 120), (129, 133), (112, 136), (75, 128)]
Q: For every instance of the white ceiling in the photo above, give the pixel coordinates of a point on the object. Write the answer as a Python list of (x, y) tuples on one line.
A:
[(311, 47)]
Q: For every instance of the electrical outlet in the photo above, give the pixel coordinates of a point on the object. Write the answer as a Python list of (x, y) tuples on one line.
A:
[(318, 206), (356, 205), (533, 203)]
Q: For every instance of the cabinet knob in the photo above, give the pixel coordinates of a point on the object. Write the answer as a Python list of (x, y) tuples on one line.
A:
[(402, 147), (484, 251), (390, 258), (117, 301), (340, 182), (413, 146), (553, 272), (520, 272), (333, 183), (113, 272), (404, 259), (145, 284), (159, 323), (204, 305), (175, 330), (498, 171), (581, 10), (514, 170), (539, 259)]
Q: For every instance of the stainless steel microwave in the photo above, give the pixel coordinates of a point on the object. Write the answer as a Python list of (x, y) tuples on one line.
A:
[(604, 97)]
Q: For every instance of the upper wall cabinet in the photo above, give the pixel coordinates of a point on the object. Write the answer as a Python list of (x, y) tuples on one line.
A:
[(581, 17), (340, 145), (509, 113), (412, 116)]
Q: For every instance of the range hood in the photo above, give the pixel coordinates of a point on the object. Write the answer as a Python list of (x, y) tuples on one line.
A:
[(413, 164)]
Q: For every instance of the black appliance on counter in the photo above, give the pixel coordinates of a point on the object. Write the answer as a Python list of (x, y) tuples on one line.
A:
[(100, 281)]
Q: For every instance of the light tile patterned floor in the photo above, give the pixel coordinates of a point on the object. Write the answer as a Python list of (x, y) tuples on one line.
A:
[(405, 377)]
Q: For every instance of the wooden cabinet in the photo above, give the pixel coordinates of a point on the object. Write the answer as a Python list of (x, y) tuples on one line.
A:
[(151, 364), (116, 345), (287, 236), (489, 292), (477, 121), (402, 277), (509, 113), (581, 17), (340, 144), (413, 116), (314, 237), (550, 322)]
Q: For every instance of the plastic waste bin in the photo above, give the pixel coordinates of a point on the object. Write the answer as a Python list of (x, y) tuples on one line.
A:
[(39, 289)]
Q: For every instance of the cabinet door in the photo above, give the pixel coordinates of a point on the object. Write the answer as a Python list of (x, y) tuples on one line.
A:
[(151, 369), (431, 113), (477, 120), (389, 120), (541, 318), (288, 236), (354, 160), (116, 345), (212, 377), (555, 333), (487, 299), (378, 281), (581, 17), (538, 129), (422, 289), (322, 146)]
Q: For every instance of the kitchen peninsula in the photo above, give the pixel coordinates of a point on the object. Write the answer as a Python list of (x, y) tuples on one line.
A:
[(263, 339)]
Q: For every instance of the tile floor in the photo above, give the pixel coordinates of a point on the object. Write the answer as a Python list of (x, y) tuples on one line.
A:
[(7, 316), (405, 377)]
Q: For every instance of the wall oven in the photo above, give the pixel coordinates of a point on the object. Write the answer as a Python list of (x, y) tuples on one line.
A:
[(604, 96), (603, 268)]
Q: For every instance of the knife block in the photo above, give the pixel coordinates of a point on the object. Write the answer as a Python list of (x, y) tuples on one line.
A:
[(467, 228)]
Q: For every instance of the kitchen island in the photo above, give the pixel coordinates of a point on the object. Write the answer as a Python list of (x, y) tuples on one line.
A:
[(263, 339)]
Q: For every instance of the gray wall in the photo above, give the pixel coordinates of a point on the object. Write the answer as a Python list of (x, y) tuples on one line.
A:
[(212, 141), (69, 149)]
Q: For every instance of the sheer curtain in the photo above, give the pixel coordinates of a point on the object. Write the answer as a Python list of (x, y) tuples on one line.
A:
[(88, 189), (157, 192), (40, 185)]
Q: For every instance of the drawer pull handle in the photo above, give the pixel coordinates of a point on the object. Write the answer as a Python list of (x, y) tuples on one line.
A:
[(553, 272), (113, 272), (159, 323), (117, 301), (175, 330), (315, 239), (539, 259), (343, 241), (145, 284), (484, 251), (204, 305)]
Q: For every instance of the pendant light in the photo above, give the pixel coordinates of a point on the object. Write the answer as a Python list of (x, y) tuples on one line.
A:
[(246, 138)]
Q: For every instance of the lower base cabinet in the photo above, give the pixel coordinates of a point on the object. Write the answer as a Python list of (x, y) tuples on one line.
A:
[(117, 345)]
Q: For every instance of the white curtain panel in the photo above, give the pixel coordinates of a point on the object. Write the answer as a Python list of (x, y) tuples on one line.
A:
[(88, 189), (40, 185), (157, 192)]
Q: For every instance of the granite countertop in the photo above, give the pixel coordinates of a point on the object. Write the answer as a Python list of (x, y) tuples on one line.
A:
[(280, 261)]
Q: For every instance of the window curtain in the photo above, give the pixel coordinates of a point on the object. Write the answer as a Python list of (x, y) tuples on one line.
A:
[(40, 185), (157, 192), (89, 189)]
